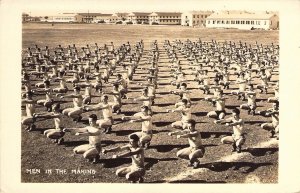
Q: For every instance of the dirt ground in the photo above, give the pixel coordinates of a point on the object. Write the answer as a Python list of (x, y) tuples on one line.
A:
[(256, 164)]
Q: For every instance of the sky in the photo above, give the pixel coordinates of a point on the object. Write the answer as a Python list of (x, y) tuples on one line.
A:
[(43, 8)]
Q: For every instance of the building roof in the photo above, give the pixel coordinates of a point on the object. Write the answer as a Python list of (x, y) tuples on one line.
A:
[(118, 14), (240, 16), (64, 15), (104, 15), (90, 14), (166, 14), (139, 14), (201, 12), (234, 11)]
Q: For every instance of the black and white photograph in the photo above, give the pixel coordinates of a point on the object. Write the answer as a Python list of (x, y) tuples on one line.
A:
[(151, 92)]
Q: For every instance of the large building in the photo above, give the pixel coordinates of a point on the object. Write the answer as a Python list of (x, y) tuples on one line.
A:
[(243, 20), (121, 16), (138, 17), (87, 17), (61, 18), (165, 18), (195, 18), (105, 18), (27, 18)]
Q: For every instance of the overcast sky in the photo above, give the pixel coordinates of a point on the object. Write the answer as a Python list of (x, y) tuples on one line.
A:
[(42, 8)]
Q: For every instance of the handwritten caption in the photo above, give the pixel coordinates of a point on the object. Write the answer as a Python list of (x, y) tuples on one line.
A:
[(35, 171)]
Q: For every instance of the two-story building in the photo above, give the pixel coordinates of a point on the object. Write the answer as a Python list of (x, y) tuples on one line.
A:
[(138, 17), (87, 17), (195, 18), (105, 18), (121, 16), (165, 18)]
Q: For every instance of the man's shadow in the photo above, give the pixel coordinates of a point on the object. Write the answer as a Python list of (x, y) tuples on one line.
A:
[(244, 167)]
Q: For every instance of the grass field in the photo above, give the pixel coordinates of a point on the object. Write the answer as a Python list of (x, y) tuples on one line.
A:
[(257, 163)]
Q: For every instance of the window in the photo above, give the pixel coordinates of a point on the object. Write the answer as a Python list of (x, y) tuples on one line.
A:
[(208, 22), (247, 22), (242, 22), (218, 22), (223, 22), (214, 21), (194, 16), (227, 22), (237, 22), (265, 22), (252, 22), (232, 22), (197, 16), (270, 22), (201, 16)]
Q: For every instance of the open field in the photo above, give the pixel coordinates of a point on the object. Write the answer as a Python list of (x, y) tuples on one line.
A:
[(257, 163), (82, 34)]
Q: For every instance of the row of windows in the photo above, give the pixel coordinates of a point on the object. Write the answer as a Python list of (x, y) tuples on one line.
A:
[(64, 18), (169, 17), (202, 16), (141, 16), (237, 22), (197, 22), (168, 20)]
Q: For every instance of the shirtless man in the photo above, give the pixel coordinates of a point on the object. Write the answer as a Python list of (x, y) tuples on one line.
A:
[(87, 97), (92, 150), (117, 103), (151, 86), (186, 114), (123, 86), (29, 120), (62, 84), (107, 121), (196, 149), (48, 101), (76, 111), (135, 172), (264, 82), (251, 101), (145, 135), (57, 133), (183, 93), (205, 80), (219, 101), (237, 139), (273, 127), (242, 87), (147, 101)]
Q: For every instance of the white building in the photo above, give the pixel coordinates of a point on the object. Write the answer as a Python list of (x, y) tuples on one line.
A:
[(61, 18), (243, 20), (121, 16), (138, 17), (105, 18), (165, 18), (195, 18)]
